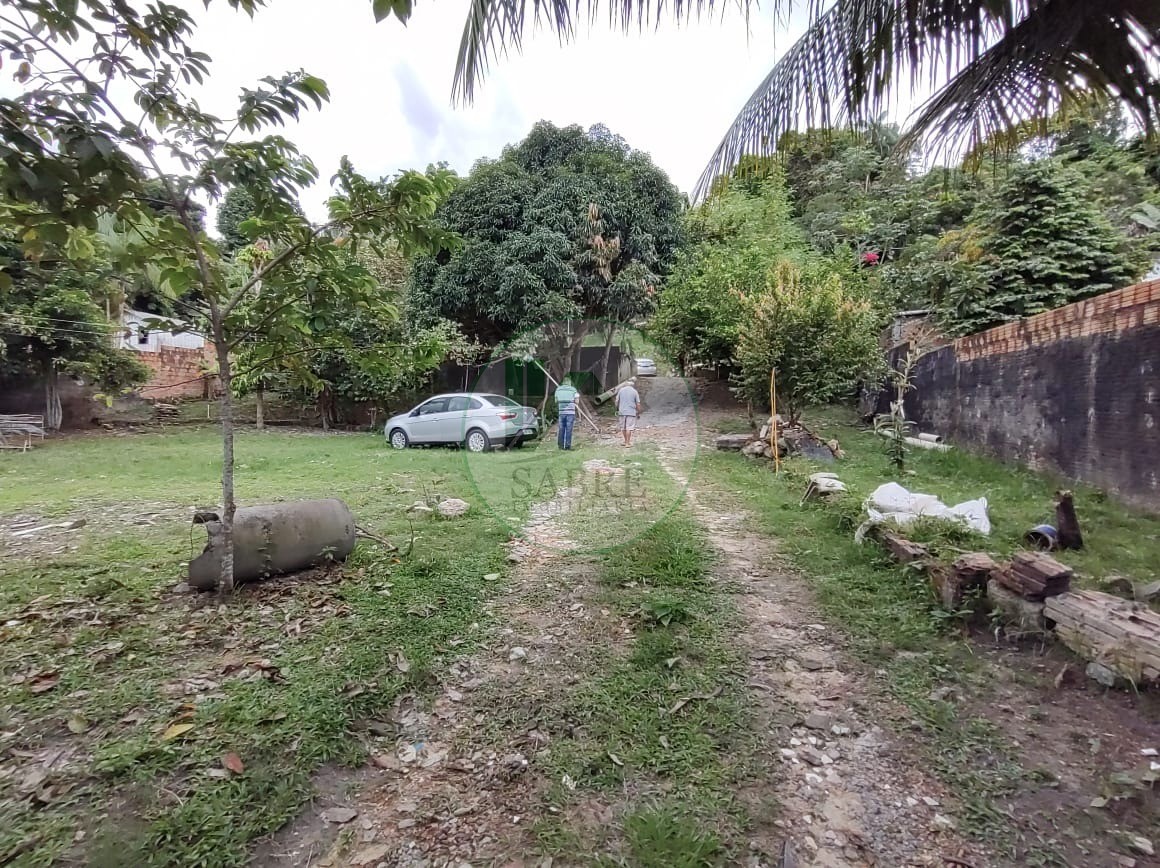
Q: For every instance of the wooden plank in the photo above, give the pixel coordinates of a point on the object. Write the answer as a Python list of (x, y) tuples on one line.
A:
[(18, 430), (901, 549), (1121, 634)]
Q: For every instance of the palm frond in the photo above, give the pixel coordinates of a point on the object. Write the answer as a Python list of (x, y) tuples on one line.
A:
[(1064, 52), (494, 26), (993, 64)]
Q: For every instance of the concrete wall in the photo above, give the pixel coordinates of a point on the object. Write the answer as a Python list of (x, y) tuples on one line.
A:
[(1075, 391)]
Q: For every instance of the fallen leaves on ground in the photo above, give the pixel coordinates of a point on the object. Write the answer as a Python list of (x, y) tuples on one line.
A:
[(176, 731), (233, 763)]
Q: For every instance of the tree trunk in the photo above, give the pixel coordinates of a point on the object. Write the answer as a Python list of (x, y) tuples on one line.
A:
[(53, 415), (1067, 522), (260, 407), (576, 348), (604, 372), (324, 407), (229, 507)]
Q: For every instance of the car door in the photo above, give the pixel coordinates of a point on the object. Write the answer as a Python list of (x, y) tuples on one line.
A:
[(425, 427), (454, 425)]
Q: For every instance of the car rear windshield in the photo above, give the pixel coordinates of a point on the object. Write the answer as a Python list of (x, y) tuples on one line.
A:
[(500, 401)]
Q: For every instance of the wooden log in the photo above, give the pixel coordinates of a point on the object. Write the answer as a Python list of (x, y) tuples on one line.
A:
[(733, 442), (901, 549), (1034, 575), (1066, 521), (1119, 634), (1024, 615), (969, 573)]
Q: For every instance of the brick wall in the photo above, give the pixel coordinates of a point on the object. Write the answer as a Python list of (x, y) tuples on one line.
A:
[(1075, 391), (177, 372)]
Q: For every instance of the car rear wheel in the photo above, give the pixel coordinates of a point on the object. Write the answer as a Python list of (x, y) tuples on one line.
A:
[(399, 439), (477, 441)]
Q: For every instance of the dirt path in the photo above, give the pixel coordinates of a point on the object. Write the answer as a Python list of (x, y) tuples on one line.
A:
[(456, 781), (851, 793)]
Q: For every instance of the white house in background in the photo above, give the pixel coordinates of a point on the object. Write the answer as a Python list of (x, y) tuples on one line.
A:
[(142, 333)]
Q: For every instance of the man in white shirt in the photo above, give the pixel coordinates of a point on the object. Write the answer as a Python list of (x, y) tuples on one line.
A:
[(627, 410)]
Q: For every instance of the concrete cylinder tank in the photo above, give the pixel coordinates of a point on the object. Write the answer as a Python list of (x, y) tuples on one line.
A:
[(276, 538)]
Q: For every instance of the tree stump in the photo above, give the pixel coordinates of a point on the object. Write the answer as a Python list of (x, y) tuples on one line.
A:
[(969, 573), (1067, 524)]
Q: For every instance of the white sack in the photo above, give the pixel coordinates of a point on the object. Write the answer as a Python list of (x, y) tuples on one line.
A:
[(893, 503)]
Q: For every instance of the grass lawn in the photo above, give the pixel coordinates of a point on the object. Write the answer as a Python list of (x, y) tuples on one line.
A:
[(660, 725), (124, 706)]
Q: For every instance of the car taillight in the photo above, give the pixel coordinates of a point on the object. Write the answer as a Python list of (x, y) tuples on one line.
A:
[(506, 416)]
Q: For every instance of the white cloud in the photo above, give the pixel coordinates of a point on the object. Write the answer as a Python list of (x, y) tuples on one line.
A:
[(671, 92)]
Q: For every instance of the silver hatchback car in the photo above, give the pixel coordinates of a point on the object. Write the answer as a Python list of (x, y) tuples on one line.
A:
[(478, 420)]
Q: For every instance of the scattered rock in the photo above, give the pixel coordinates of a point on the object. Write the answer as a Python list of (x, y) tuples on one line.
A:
[(941, 821), (756, 449), (818, 720), (1148, 593), (182, 588), (931, 802), (816, 758), (944, 694), (839, 730), (517, 653), (339, 815), (370, 855), (453, 507), (420, 506), (387, 761), (1141, 845), (406, 824), (813, 661), (511, 766), (1102, 674), (1121, 586)]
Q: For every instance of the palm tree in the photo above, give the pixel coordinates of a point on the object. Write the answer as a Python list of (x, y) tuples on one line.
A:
[(991, 64)]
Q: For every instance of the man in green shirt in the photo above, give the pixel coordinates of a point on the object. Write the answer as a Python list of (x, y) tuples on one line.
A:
[(566, 397)]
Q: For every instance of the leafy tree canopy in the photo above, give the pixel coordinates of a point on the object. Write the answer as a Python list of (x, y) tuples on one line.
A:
[(106, 99), (566, 224), (815, 326), (734, 238), (1040, 244), (52, 322)]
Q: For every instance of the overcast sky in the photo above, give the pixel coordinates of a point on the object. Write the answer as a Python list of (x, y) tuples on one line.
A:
[(671, 92)]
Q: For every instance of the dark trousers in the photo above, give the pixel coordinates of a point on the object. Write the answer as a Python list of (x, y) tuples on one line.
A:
[(564, 436)]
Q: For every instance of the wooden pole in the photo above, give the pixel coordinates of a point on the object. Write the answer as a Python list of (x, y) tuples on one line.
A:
[(579, 410), (773, 419)]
